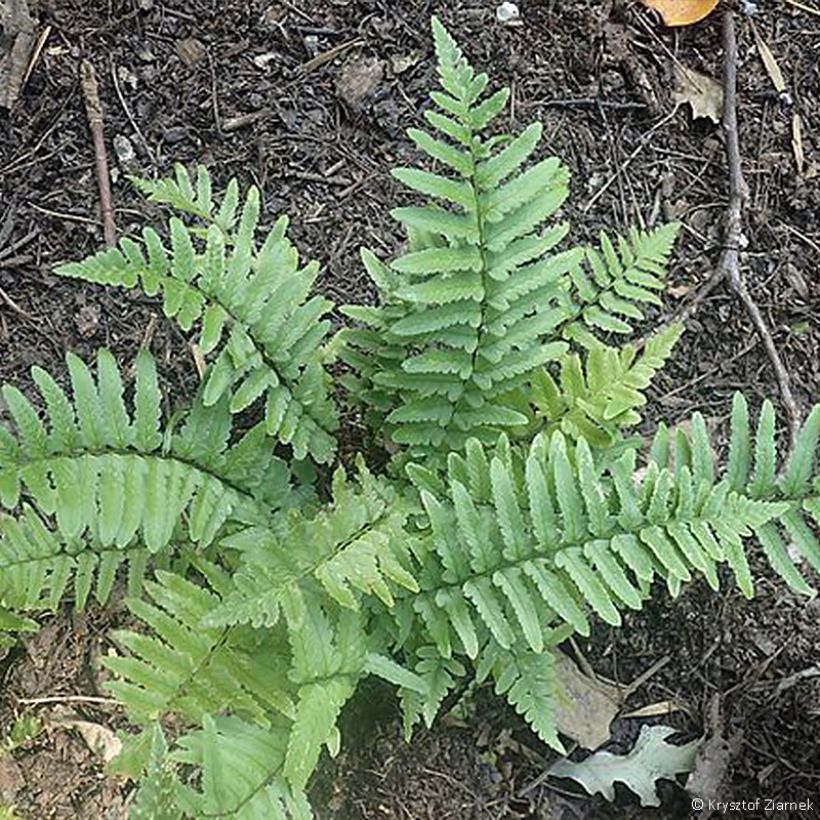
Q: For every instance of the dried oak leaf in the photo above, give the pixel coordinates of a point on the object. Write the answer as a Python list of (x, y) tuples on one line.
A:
[(704, 95), (681, 12)]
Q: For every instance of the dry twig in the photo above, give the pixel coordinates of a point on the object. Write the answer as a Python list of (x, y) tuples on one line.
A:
[(93, 109), (729, 265)]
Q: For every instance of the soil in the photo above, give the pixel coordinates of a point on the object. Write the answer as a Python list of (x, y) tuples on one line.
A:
[(231, 84)]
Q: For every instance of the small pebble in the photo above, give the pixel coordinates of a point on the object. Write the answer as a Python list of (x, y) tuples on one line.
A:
[(124, 150), (176, 133), (508, 14), (311, 45)]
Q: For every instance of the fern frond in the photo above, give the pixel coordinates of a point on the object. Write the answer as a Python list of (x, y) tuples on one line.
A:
[(187, 667), (556, 534), (192, 670), (11, 623), (37, 565), (241, 772), (439, 675), (475, 305), (103, 487), (355, 546), (156, 798), (623, 275), (251, 304), (530, 682), (599, 399)]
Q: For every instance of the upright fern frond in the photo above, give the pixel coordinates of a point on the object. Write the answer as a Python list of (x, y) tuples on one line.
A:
[(194, 197), (251, 304), (482, 300), (471, 310)]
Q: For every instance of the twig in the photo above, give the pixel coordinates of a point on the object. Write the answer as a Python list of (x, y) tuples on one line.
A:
[(592, 103), (803, 7), (93, 109), (645, 676), (35, 55), (14, 306), (130, 116), (214, 95), (729, 265), (241, 120), (327, 56), (69, 699)]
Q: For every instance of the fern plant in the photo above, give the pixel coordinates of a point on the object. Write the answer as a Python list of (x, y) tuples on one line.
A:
[(516, 510)]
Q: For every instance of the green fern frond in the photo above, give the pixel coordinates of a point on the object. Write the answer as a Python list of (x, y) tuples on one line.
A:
[(104, 485), (193, 196), (251, 304), (11, 624), (189, 668), (192, 670), (554, 534), (241, 772), (530, 682), (599, 399), (475, 305), (37, 565), (156, 798), (623, 275), (439, 675), (355, 546)]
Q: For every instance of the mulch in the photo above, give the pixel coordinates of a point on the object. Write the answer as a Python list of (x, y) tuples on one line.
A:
[(308, 99)]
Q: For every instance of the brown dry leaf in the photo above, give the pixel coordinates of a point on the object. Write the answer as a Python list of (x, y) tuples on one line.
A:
[(100, 739), (358, 80), (662, 707), (703, 94), (797, 143), (772, 68), (588, 705), (682, 12)]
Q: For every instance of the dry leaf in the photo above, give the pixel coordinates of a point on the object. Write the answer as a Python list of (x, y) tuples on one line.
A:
[(662, 707), (100, 739), (358, 81), (797, 143), (703, 94), (588, 705), (772, 68), (681, 12)]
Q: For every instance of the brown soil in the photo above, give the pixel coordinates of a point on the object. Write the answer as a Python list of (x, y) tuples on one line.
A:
[(321, 151)]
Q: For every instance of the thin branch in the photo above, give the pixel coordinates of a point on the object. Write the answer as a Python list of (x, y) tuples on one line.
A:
[(93, 109), (729, 265)]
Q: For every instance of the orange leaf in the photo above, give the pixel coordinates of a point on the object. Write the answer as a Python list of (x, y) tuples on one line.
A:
[(681, 12)]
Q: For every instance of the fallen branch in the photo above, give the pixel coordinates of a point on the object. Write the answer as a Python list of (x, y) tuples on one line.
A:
[(93, 109), (729, 265)]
